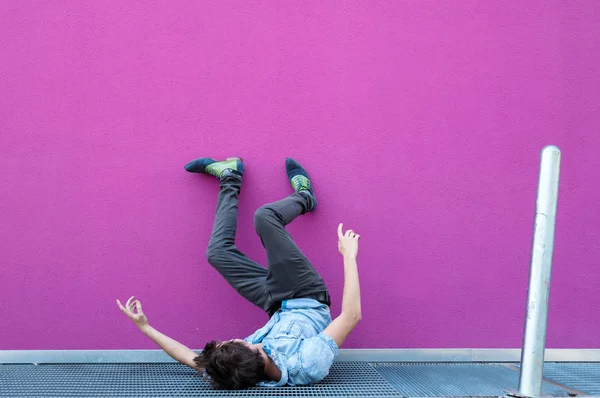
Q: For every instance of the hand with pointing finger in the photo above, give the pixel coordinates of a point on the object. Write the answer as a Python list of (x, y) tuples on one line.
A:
[(133, 310), (347, 242)]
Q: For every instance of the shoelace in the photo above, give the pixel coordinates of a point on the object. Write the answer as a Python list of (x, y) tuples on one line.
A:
[(211, 170), (300, 181)]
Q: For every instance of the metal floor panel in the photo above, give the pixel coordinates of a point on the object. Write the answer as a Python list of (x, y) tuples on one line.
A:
[(584, 377), (346, 379), (455, 379)]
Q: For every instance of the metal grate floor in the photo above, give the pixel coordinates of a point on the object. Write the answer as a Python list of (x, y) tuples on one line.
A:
[(584, 377), (346, 379), (456, 379)]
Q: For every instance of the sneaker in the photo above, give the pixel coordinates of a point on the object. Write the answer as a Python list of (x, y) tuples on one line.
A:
[(299, 179), (214, 167)]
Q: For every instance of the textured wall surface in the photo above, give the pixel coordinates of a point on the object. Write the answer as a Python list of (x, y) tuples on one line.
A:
[(421, 123)]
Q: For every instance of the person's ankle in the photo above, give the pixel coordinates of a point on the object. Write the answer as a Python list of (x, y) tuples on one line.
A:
[(230, 172)]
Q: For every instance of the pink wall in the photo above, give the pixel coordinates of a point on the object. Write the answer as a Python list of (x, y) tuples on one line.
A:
[(421, 123)]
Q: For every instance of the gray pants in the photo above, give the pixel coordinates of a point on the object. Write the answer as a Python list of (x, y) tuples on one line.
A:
[(290, 274)]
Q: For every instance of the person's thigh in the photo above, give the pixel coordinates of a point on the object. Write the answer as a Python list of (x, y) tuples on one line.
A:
[(290, 273), (246, 276)]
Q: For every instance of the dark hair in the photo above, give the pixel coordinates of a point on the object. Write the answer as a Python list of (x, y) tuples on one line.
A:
[(231, 365)]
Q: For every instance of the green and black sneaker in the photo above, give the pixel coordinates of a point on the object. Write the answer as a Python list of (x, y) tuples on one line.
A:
[(299, 179), (214, 167)]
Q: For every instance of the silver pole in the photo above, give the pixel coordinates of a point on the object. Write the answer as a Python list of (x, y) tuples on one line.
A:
[(534, 339)]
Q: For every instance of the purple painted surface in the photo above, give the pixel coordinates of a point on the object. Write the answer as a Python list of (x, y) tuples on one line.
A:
[(421, 124)]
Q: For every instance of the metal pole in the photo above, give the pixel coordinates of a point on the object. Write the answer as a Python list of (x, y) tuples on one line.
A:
[(534, 339)]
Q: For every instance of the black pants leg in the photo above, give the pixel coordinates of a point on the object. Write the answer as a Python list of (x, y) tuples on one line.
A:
[(290, 274), (244, 275)]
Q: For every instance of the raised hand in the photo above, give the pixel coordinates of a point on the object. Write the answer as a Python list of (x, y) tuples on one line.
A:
[(133, 310), (347, 242)]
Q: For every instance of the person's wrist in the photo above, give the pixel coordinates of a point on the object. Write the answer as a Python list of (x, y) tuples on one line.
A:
[(349, 256), (146, 328)]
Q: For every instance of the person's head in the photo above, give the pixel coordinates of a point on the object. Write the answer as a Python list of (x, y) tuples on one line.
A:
[(232, 364)]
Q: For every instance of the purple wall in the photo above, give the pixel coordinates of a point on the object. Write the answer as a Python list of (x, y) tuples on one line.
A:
[(420, 122)]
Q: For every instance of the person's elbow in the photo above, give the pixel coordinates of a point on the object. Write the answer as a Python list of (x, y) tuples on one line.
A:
[(353, 316)]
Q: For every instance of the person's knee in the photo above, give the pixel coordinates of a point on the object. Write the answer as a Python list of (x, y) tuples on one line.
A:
[(214, 255), (263, 218)]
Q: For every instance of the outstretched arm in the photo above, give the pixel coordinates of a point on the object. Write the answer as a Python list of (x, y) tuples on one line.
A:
[(341, 326), (176, 350)]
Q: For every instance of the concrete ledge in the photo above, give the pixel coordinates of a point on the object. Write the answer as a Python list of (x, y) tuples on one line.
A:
[(361, 355)]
